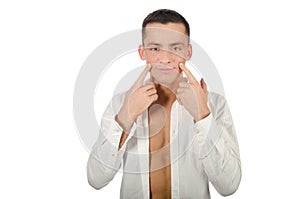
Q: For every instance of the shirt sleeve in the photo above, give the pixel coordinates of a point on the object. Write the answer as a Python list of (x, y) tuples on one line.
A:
[(219, 151), (105, 158)]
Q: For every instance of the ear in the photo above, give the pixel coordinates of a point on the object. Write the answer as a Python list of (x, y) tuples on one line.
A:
[(189, 52), (142, 52)]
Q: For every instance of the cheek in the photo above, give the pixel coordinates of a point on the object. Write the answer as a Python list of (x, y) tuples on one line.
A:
[(178, 61), (150, 58)]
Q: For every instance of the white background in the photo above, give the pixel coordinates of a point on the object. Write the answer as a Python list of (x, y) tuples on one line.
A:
[(254, 45)]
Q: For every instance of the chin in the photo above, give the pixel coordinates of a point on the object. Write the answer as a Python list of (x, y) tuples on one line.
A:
[(165, 80)]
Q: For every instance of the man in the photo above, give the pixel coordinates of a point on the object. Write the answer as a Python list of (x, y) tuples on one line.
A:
[(172, 135)]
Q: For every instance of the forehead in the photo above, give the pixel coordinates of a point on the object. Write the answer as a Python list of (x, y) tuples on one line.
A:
[(165, 33)]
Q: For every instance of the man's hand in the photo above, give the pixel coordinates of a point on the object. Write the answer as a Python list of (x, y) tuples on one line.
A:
[(137, 99), (193, 95)]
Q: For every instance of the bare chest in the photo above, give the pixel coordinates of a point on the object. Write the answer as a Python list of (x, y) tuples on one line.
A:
[(159, 150), (159, 128)]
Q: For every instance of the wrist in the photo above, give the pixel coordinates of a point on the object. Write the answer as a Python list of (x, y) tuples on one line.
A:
[(124, 121), (203, 114)]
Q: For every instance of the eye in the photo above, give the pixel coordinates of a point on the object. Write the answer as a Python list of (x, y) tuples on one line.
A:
[(177, 48), (154, 49)]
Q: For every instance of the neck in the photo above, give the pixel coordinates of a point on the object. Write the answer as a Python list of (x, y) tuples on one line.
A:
[(166, 96)]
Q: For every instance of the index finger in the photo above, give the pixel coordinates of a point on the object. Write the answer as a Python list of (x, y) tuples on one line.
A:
[(140, 80), (188, 73)]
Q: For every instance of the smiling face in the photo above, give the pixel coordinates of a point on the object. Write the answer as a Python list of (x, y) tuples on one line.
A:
[(165, 46)]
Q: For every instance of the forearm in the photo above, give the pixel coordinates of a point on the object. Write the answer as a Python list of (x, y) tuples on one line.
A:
[(219, 151), (126, 124), (223, 168), (103, 164), (105, 158)]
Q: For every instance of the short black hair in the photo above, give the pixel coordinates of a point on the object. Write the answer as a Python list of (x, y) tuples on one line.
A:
[(165, 16)]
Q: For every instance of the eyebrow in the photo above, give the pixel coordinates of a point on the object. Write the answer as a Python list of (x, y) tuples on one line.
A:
[(153, 44), (172, 44), (177, 43)]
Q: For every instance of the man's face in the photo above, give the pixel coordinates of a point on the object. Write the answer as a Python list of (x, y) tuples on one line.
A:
[(165, 46)]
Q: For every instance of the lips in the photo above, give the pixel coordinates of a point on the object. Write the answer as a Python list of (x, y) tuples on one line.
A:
[(165, 68)]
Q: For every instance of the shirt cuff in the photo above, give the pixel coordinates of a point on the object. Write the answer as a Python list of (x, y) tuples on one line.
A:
[(205, 134), (116, 133), (203, 126)]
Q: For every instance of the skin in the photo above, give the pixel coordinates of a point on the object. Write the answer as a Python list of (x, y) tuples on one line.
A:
[(165, 51)]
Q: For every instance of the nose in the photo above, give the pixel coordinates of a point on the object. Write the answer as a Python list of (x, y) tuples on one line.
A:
[(165, 57)]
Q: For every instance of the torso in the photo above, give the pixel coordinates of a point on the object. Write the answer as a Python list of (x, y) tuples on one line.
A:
[(159, 149)]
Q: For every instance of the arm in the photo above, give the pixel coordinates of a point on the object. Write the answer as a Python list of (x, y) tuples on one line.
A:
[(117, 127), (106, 156), (219, 152), (215, 138)]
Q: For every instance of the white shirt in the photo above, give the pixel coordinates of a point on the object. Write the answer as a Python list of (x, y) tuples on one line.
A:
[(200, 152)]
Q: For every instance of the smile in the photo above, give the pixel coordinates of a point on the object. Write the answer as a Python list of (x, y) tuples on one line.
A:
[(165, 68)]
